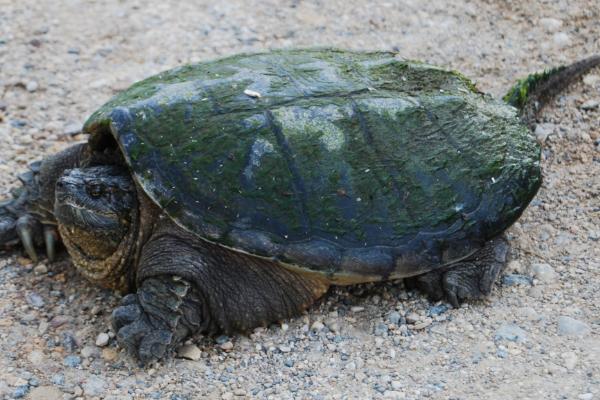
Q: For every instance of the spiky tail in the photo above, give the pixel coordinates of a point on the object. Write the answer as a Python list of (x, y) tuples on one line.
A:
[(532, 93)]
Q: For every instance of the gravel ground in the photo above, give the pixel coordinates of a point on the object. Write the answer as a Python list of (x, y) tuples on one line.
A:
[(536, 338)]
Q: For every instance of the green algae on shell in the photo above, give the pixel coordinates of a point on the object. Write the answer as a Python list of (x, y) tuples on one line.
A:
[(356, 165)]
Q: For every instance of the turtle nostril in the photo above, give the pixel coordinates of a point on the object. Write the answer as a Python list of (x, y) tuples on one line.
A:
[(59, 183)]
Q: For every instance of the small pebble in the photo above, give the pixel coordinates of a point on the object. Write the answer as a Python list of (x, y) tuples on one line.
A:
[(570, 360), (94, 386), (58, 379), (412, 318), (332, 324), (422, 324), (190, 352), (45, 393), (96, 310), (317, 326), (542, 131), (109, 354), (551, 24), (510, 332), (36, 357), (89, 351), (535, 292), (59, 320), (72, 361), (591, 79), (288, 363), (35, 300), (437, 310), (356, 309), (18, 123), (226, 346), (32, 86), (516, 280), (69, 342), (19, 381), (586, 396), (544, 272), (285, 349), (381, 329), (530, 314), (102, 339), (568, 326), (561, 40), (40, 269), (222, 339), (21, 391), (239, 392), (393, 394), (394, 317), (590, 105)]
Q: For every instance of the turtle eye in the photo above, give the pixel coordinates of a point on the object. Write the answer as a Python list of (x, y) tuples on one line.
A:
[(95, 190)]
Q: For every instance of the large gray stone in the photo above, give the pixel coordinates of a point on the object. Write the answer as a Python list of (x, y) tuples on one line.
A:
[(568, 326)]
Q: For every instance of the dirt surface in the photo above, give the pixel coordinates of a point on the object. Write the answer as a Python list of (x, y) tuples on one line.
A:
[(536, 338)]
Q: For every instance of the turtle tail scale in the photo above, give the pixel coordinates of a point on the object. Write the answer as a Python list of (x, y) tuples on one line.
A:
[(532, 93)]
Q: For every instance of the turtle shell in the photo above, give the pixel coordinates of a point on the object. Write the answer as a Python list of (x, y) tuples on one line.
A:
[(357, 165)]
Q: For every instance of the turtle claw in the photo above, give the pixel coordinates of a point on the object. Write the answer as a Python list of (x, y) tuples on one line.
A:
[(463, 283), (25, 229), (18, 227), (50, 236)]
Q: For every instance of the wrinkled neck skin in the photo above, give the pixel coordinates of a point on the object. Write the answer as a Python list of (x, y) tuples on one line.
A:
[(118, 270)]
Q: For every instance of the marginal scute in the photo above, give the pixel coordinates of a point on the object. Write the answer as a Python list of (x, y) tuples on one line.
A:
[(349, 164), (253, 242), (378, 261), (318, 254)]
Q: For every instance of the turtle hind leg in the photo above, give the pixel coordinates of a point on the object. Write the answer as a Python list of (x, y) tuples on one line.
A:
[(469, 279)]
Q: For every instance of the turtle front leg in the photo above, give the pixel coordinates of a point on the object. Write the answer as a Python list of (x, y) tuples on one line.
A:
[(186, 285), (27, 218), (469, 279), (155, 320)]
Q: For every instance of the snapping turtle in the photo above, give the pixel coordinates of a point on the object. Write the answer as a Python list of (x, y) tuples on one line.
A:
[(228, 194)]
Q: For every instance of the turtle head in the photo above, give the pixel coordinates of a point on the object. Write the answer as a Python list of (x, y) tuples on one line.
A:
[(96, 210)]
